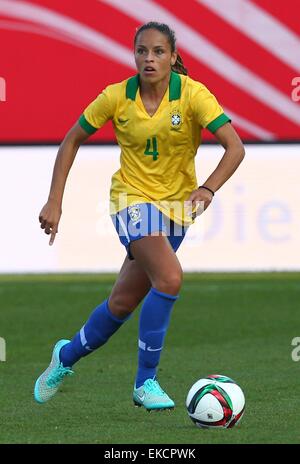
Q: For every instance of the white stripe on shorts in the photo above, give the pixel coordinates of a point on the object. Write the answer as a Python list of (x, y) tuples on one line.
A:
[(122, 224)]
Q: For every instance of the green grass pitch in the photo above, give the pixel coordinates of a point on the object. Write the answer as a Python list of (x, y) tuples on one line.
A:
[(239, 325)]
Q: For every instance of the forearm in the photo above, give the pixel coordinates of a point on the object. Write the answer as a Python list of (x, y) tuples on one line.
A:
[(230, 161), (64, 160)]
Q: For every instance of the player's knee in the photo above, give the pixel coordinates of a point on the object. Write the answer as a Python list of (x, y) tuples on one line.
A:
[(121, 306), (170, 283)]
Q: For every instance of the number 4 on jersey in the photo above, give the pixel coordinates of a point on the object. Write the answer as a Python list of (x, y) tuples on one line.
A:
[(152, 150)]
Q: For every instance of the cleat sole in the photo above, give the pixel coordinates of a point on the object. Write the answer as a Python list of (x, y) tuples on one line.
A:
[(138, 405)]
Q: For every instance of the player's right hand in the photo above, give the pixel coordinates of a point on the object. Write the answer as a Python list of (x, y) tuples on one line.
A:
[(49, 218)]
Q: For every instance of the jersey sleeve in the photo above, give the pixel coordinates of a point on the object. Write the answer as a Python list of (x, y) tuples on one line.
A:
[(98, 112), (208, 112)]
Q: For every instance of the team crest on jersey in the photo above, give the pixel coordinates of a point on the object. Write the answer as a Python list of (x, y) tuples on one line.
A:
[(134, 213), (176, 119)]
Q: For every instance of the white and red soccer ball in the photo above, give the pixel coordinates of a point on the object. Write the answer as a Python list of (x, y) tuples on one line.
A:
[(215, 401)]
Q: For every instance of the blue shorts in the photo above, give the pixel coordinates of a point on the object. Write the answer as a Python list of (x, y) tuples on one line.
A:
[(139, 220)]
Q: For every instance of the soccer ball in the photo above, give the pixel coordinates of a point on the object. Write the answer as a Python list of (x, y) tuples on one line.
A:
[(215, 401)]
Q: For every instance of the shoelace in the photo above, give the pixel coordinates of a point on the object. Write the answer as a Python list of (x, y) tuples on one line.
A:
[(152, 386), (58, 374)]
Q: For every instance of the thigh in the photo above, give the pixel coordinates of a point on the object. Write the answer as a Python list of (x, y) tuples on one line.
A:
[(131, 286), (157, 258), (137, 221), (175, 232)]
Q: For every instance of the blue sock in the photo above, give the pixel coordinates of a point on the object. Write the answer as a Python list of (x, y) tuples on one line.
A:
[(101, 325), (154, 322)]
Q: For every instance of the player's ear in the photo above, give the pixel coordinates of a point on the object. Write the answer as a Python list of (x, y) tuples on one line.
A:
[(173, 58)]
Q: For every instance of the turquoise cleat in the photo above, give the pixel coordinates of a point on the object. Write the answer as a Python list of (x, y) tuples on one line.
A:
[(48, 383), (151, 396)]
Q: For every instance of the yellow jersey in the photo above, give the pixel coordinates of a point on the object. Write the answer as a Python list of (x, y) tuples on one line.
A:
[(157, 152)]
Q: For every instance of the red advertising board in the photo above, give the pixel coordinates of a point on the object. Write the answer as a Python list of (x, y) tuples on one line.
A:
[(57, 55)]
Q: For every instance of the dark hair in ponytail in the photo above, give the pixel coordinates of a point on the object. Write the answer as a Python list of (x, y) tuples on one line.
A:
[(178, 67)]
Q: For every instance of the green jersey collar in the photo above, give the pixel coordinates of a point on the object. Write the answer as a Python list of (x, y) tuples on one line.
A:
[(132, 87), (174, 86)]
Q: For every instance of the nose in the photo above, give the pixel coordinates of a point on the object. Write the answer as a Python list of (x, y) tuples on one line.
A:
[(149, 56)]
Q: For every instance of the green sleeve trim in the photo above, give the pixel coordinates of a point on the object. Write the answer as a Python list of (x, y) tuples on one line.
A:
[(218, 122), (86, 125)]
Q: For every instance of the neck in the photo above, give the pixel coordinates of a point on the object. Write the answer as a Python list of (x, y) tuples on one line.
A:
[(154, 90)]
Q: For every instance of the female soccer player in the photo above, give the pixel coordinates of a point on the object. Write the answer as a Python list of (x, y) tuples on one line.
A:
[(158, 116)]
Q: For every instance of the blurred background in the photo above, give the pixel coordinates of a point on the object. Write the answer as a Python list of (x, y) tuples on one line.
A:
[(56, 56)]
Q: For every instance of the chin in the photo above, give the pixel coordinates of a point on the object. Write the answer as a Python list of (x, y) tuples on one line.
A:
[(152, 79)]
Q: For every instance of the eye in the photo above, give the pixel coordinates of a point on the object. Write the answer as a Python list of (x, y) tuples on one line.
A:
[(160, 51), (140, 51)]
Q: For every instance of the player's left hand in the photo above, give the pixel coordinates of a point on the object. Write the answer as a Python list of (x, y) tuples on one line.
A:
[(200, 199)]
